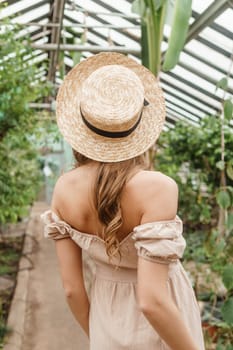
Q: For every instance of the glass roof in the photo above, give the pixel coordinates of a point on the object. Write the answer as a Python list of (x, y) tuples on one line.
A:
[(97, 25)]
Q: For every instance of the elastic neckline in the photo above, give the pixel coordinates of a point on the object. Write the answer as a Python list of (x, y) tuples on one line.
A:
[(85, 233), (129, 235)]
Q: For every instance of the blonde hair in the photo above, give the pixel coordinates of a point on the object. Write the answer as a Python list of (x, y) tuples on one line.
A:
[(109, 183)]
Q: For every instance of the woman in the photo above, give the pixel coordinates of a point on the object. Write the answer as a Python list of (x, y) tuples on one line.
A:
[(111, 110)]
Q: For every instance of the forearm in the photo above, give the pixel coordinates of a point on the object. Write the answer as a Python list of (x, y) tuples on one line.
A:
[(168, 323), (80, 309)]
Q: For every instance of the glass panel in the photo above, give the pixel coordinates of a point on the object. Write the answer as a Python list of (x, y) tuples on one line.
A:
[(217, 58), (17, 7), (191, 90), (200, 6), (217, 38), (32, 15), (225, 19), (188, 99)]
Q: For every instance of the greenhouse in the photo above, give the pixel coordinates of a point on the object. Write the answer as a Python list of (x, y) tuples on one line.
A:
[(111, 113)]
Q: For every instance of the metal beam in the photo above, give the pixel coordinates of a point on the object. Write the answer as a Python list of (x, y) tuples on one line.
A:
[(91, 30), (41, 105), (121, 31), (34, 33), (113, 9), (173, 117), (201, 75), (39, 35), (188, 117), (96, 33), (206, 61), (57, 10), (194, 86), (215, 26), (80, 25), (207, 17), (180, 99), (27, 9), (90, 48), (113, 12), (213, 46), (170, 119), (186, 93), (203, 20)]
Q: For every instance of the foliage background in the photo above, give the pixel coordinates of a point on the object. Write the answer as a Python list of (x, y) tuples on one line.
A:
[(192, 155), (20, 126)]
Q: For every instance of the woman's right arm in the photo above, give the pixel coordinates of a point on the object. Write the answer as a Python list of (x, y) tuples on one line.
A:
[(158, 307), (159, 202)]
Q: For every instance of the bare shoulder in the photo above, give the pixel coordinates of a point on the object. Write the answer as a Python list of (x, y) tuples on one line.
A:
[(61, 188), (63, 180), (156, 193), (158, 181)]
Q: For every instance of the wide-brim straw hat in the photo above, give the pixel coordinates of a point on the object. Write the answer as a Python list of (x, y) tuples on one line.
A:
[(110, 108)]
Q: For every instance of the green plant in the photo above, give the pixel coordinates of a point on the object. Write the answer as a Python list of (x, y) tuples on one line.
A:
[(154, 14), (200, 160), (19, 126), (225, 228), (191, 156), (20, 176)]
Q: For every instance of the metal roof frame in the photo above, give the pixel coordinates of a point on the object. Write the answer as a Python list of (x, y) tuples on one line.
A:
[(207, 17), (47, 39), (56, 17)]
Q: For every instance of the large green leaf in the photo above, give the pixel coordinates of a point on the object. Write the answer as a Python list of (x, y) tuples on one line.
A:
[(221, 345), (229, 222), (227, 276), (222, 83), (158, 23), (144, 44), (154, 21), (158, 4), (223, 199), (228, 109), (139, 7), (220, 165), (180, 24), (169, 12), (61, 64), (227, 311), (230, 170)]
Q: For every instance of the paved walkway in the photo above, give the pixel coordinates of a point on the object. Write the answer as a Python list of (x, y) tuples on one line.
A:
[(49, 324)]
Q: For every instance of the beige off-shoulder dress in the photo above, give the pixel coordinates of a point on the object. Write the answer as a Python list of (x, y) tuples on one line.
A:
[(116, 323)]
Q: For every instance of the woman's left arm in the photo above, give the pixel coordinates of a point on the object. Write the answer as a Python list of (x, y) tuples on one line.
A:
[(70, 262)]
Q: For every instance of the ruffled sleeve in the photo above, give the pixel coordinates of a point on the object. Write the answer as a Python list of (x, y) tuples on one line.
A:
[(160, 241), (54, 227)]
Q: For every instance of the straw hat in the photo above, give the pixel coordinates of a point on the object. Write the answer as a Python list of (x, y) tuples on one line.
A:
[(110, 108)]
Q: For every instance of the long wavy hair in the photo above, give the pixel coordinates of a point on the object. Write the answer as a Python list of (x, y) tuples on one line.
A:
[(108, 185)]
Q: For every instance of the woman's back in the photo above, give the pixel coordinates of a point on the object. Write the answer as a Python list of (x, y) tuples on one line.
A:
[(74, 190), (115, 320)]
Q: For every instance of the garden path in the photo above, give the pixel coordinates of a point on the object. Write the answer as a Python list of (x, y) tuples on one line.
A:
[(49, 324)]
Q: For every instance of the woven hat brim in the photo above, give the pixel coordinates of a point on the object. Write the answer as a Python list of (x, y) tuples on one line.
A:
[(97, 147)]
